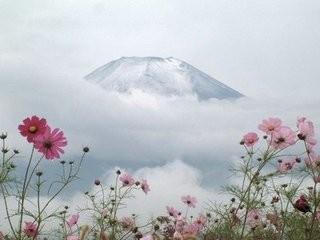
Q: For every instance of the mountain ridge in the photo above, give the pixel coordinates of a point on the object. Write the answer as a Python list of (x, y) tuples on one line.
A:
[(164, 76)]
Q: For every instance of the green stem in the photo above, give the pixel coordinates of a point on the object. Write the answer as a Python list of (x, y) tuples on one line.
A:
[(23, 194)]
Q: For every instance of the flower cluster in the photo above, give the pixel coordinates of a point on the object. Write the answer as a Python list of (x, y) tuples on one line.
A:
[(32, 216), (278, 195), (47, 141)]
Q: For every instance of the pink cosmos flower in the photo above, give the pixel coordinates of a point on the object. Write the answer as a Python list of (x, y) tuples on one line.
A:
[(104, 212), (73, 220), (201, 221), (313, 161), (73, 237), (191, 229), (30, 229), (172, 212), (305, 127), (190, 201), (127, 180), (50, 143), (177, 236), (32, 127), (145, 186), (271, 125), (254, 218), (286, 165), (316, 179), (283, 138), (306, 132), (147, 237), (127, 223), (180, 223), (250, 139)]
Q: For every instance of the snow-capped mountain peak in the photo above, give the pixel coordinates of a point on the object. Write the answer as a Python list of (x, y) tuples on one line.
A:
[(164, 76)]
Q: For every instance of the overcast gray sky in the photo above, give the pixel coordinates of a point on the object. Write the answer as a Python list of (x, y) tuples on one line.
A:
[(267, 47), (268, 50)]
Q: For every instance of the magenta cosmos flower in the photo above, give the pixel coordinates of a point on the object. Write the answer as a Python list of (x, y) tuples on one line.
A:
[(32, 127), (51, 143), (127, 180), (190, 201), (270, 125), (30, 229), (145, 186), (283, 138), (250, 139), (73, 220)]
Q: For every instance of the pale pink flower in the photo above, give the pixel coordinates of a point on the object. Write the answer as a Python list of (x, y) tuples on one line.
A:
[(271, 125), (145, 186), (305, 127), (127, 223), (201, 221), (51, 143), (283, 138), (254, 218), (250, 139), (147, 237), (177, 236), (313, 161), (286, 165), (306, 132), (191, 229), (317, 215), (172, 211), (32, 127), (180, 223), (126, 179), (73, 237), (30, 229), (190, 201), (316, 179), (73, 220), (104, 212)]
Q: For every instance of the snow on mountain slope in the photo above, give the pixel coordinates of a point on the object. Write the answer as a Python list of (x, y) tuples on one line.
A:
[(164, 76)]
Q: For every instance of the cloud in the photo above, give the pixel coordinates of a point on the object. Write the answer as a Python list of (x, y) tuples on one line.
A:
[(140, 130)]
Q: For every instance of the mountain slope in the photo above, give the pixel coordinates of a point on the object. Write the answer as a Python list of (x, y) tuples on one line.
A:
[(164, 76)]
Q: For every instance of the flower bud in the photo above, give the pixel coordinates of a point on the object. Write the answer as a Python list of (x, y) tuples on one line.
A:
[(3, 136), (97, 182), (5, 150), (85, 149)]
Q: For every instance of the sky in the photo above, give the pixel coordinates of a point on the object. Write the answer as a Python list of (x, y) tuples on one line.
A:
[(267, 50)]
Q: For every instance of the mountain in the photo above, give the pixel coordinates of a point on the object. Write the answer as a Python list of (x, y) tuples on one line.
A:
[(164, 76)]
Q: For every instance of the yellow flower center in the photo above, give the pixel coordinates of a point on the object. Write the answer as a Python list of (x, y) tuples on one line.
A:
[(33, 129)]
